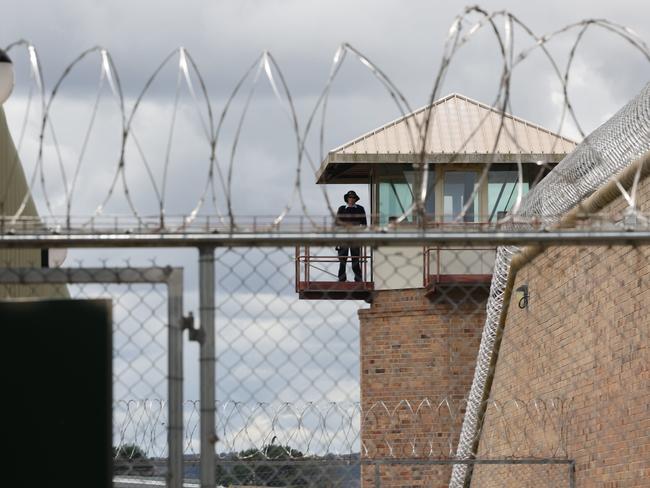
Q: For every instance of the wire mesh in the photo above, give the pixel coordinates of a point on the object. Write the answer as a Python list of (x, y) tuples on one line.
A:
[(349, 375), (139, 173), (415, 349), (141, 349), (317, 389), (324, 380), (606, 152)]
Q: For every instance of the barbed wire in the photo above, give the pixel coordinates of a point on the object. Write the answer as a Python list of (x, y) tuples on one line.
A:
[(395, 430), (427, 428), (614, 149), (624, 219), (219, 174)]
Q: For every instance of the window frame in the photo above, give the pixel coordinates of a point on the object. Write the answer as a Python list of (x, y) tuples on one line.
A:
[(441, 170), (395, 172)]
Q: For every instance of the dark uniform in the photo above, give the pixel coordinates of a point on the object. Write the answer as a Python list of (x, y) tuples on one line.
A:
[(348, 216)]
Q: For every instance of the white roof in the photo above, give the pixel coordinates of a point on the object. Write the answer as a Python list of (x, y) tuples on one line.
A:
[(458, 126)]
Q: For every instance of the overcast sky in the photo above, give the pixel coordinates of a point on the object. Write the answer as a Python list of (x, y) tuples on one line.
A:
[(404, 38)]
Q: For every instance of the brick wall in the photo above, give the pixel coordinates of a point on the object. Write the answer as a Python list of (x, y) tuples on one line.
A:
[(585, 338), (415, 351)]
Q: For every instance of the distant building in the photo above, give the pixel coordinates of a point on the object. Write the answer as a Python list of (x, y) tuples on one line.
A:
[(13, 189), (460, 142)]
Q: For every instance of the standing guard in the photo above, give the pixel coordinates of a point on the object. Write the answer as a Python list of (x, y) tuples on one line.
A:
[(350, 215)]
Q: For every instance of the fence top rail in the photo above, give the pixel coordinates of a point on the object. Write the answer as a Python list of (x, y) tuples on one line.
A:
[(125, 275), (357, 459), (473, 461), (628, 236)]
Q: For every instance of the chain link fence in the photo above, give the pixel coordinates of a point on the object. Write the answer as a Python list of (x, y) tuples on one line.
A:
[(334, 382), (147, 353), (449, 343), (367, 386)]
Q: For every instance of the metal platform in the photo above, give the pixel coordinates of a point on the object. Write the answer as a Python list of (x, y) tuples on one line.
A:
[(335, 290), (447, 283)]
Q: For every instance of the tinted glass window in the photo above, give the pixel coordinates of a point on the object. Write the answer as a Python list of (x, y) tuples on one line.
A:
[(458, 189), (396, 196), (502, 192)]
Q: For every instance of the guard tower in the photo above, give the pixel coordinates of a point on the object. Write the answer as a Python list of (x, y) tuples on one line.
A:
[(420, 337), (462, 139)]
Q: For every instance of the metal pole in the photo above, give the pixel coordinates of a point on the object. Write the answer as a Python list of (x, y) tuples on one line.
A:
[(207, 367), (432, 239), (175, 379), (297, 266)]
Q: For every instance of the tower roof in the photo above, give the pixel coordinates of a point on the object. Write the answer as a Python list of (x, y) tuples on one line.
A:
[(460, 127)]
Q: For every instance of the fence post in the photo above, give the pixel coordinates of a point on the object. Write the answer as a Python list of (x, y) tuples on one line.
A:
[(207, 367), (175, 378)]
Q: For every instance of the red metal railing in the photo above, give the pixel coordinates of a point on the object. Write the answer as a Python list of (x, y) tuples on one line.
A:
[(305, 262), (437, 276)]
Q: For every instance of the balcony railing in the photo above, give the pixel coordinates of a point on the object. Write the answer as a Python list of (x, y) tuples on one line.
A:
[(316, 276), (457, 265)]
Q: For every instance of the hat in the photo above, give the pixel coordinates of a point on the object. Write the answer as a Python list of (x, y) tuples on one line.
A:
[(352, 194)]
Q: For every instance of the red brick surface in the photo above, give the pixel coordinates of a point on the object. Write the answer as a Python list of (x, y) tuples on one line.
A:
[(584, 338), (416, 351)]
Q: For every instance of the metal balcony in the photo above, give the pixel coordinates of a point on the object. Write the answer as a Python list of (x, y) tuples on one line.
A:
[(315, 279), (455, 267)]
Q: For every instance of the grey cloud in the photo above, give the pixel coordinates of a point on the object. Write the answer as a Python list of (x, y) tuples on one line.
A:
[(405, 39)]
